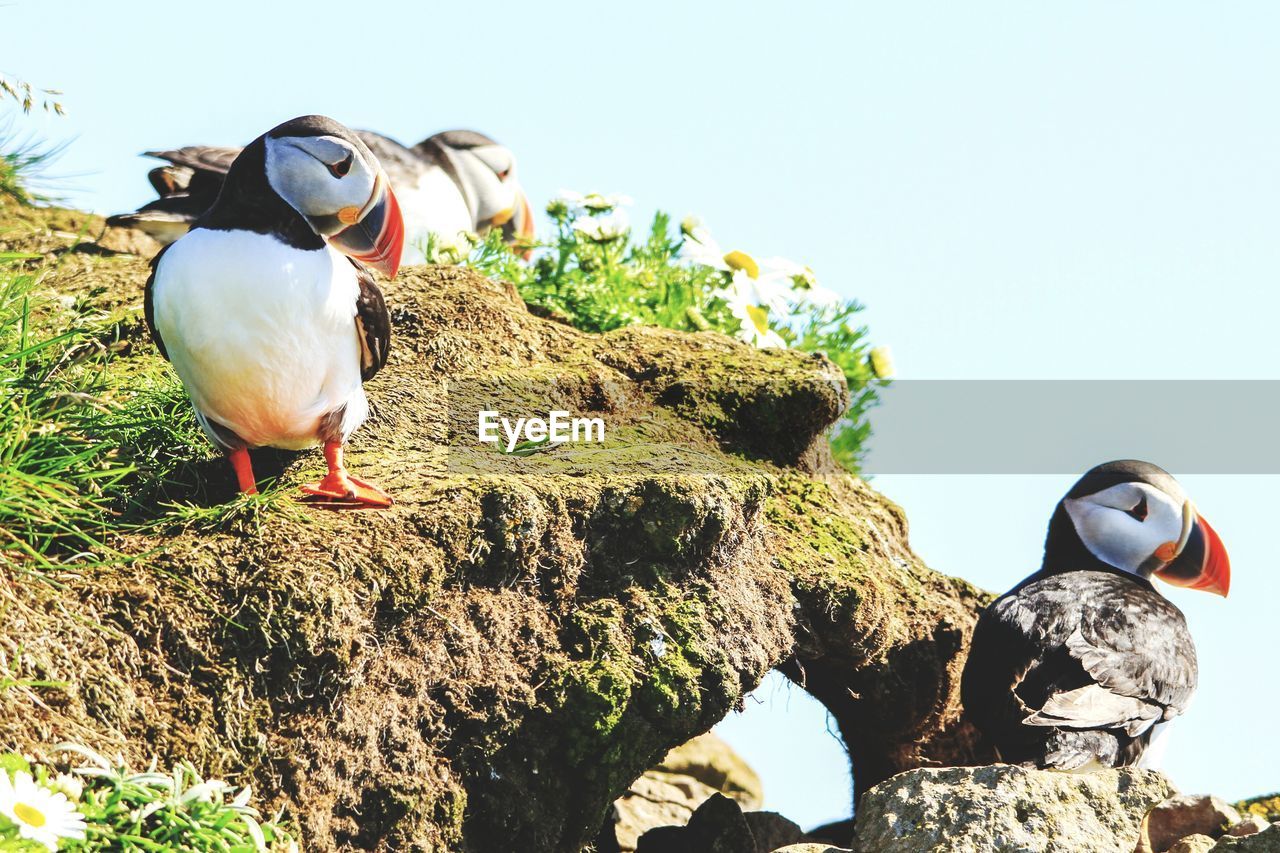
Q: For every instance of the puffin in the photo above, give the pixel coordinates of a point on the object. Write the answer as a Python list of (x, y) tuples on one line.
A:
[(266, 307), (455, 181), (1083, 664)]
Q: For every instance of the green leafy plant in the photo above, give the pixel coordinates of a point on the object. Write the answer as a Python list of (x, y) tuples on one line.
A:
[(103, 805), (592, 274)]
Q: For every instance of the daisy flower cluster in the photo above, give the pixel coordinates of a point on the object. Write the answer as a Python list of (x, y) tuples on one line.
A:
[(595, 271), (101, 805), (761, 293), (595, 216)]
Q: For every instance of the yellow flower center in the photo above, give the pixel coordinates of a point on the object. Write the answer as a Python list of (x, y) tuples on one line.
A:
[(742, 261), (30, 815), (759, 317)]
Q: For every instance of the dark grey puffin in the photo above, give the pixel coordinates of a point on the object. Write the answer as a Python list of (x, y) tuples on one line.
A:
[(265, 309), (454, 181), (1084, 662)]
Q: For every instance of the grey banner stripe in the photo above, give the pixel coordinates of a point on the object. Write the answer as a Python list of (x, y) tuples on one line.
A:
[(1067, 426)]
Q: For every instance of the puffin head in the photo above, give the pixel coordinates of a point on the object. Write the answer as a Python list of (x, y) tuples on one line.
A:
[(1133, 516), (487, 172), (331, 178)]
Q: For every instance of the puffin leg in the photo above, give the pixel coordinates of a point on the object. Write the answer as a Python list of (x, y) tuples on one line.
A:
[(345, 491), (243, 467)]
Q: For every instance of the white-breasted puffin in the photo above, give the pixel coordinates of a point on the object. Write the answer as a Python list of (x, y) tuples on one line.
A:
[(454, 181), (1080, 664), (264, 308)]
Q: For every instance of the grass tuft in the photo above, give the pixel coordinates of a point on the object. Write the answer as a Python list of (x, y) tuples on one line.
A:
[(22, 165), (244, 514)]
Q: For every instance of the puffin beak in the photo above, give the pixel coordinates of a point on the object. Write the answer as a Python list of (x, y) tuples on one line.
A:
[(1201, 562), (374, 236), (524, 217), (521, 228)]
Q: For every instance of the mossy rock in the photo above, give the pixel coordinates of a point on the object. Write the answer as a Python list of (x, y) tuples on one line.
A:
[(488, 664)]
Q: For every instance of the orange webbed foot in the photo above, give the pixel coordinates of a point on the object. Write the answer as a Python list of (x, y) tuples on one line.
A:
[(339, 490), (346, 493)]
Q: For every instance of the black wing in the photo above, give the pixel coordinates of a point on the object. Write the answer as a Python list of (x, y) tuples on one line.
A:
[(373, 325), (1135, 643), (187, 188), (402, 165), (200, 158), (1079, 650), (148, 305)]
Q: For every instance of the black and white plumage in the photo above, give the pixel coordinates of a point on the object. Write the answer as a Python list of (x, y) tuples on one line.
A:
[(264, 308), (452, 182), (1083, 663)]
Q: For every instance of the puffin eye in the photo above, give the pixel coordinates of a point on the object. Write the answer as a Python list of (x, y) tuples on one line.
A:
[(1139, 510), (502, 176), (343, 166)]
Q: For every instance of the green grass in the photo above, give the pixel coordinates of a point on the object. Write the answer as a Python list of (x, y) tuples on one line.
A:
[(60, 478), (242, 514), (86, 451)]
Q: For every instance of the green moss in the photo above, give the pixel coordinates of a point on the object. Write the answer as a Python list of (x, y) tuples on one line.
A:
[(592, 692)]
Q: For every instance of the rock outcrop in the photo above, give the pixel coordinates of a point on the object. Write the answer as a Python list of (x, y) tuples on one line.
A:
[(999, 807), (1003, 807), (720, 825), (1182, 816), (669, 794), (490, 663), (713, 762), (1266, 841)]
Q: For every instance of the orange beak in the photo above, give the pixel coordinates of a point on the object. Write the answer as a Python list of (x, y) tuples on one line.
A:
[(524, 227), (1213, 571), (376, 238)]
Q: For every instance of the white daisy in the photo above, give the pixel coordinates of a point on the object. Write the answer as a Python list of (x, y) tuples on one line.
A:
[(753, 318), (593, 202), (772, 290), (451, 249), (67, 784), (804, 286), (700, 247), (39, 814), (603, 227)]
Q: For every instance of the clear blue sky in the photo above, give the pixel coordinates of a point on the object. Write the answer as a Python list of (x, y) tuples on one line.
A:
[(1015, 190)]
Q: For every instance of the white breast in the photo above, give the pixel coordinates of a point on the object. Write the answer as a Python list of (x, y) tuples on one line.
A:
[(1153, 756), (432, 205), (262, 335)]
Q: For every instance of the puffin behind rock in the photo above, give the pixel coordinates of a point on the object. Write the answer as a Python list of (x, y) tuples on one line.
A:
[(454, 181), (1083, 663), (271, 330)]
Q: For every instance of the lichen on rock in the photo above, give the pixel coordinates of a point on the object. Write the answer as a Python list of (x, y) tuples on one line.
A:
[(1004, 807)]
